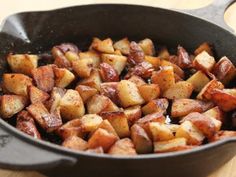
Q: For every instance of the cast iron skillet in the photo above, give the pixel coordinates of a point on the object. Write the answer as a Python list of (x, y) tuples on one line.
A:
[(39, 31)]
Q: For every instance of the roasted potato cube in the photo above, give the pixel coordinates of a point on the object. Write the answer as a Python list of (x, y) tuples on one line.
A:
[(142, 142), (224, 70), (98, 150), (109, 89), (138, 81), (163, 53), (158, 105), (198, 80), (71, 56), (118, 62), (147, 46), (26, 124), (75, 143), (106, 125), (160, 132), (189, 131), (122, 45), (143, 69), (90, 122), (128, 94), (181, 89), (11, 104), (173, 127), (94, 80), (177, 69), (108, 73), (184, 60), (206, 92), (118, 121), (182, 107), (71, 105), (176, 144), (91, 55), (102, 138), (22, 63), (86, 92), (37, 95), (123, 147), (16, 83), (100, 103), (133, 114), (136, 54), (54, 102), (204, 61), (149, 91), (164, 78), (104, 46), (223, 134), (204, 47), (155, 61), (83, 67), (44, 77), (48, 121), (63, 77), (216, 113)]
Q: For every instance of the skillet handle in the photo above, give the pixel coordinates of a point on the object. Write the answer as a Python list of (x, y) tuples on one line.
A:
[(213, 13), (17, 154)]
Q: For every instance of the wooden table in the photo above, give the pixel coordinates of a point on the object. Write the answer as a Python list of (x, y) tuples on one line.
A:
[(10, 6)]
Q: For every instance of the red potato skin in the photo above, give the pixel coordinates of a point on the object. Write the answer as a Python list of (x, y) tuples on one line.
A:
[(136, 54), (109, 90), (184, 61), (223, 134), (108, 73)]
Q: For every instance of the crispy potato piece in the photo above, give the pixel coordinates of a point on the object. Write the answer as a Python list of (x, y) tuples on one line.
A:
[(71, 56), (164, 78), (63, 77), (163, 53), (123, 147), (160, 132), (223, 134), (105, 46), (91, 55), (90, 122), (100, 103), (71, 105), (149, 91), (118, 62), (102, 138), (48, 121), (183, 61), (155, 61), (158, 105), (181, 89), (138, 81), (123, 46), (189, 131), (75, 143), (98, 150), (198, 80), (128, 94), (83, 67), (133, 113), (109, 89), (224, 70), (176, 144), (216, 113), (94, 80), (108, 73), (118, 121), (225, 101), (142, 142), (173, 127), (147, 46), (22, 63), (37, 95), (136, 54), (11, 104), (106, 125), (143, 69), (44, 77), (204, 61), (204, 47), (54, 102), (17, 83), (86, 92), (206, 92), (182, 107), (177, 69), (26, 124)]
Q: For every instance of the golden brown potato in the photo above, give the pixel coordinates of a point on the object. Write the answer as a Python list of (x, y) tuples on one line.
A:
[(109, 89), (95, 56), (22, 63), (160, 132), (16, 83), (118, 121), (173, 127), (198, 80), (54, 102), (206, 92), (142, 143), (90, 122), (105, 46), (122, 45), (106, 125), (163, 53), (147, 46), (94, 80), (102, 138), (216, 113), (11, 104), (123, 147), (158, 105), (177, 69), (71, 56), (155, 61), (204, 47), (224, 70), (138, 81), (44, 77), (133, 113), (75, 143), (63, 77), (100, 103), (223, 134), (86, 92), (182, 107), (184, 60), (108, 73), (136, 54), (181, 89), (37, 95), (71, 105), (176, 144), (128, 94), (98, 150), (149, 91), (143, 69), (164, 78), (204, 61), (83, 67), (118, 62)]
